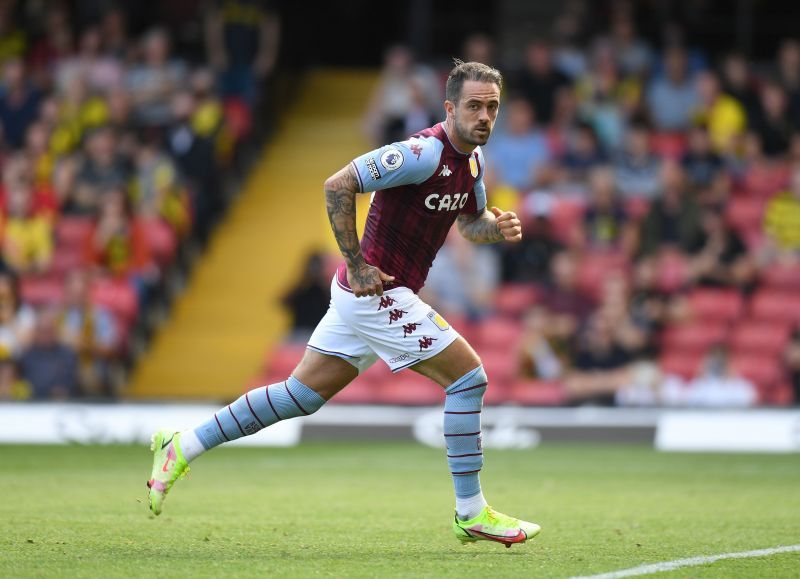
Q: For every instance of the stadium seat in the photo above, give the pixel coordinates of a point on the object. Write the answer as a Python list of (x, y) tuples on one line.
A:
[(41, 290), (764, 181), (537, 393), (778, 305), (672, 271), (515, 299), (694, 337), (500, 364), (411, 389), (764, 371), (637, 208), (496, 393), (780, 395), (283, 359), (716, 304), (67, 258), (118, 296), (73, 232), (497, 334), (162, 240), (564, 216), (359, 391), (745, 215), (683, 364), (594, 267), (669, 145), (758, 337), (782, 276)]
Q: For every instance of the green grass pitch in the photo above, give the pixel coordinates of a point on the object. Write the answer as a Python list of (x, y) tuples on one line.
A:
[(384, 510)]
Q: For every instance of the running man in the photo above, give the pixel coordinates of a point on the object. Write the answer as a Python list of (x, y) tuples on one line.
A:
[(421, 187)]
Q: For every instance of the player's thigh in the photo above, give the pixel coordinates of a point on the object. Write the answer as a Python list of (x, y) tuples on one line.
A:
[(450, 364), (324, 374)]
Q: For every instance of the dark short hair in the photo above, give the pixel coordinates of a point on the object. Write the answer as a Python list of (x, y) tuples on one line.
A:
[(469, 71)]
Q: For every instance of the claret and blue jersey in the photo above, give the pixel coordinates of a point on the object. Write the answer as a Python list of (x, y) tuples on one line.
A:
[(421, 185)]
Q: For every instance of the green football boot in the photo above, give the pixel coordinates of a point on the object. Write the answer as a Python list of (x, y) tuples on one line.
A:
[(168, 466), (490, 525)]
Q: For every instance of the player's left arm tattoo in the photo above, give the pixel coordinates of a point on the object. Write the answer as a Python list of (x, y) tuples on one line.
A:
[(479, 227)]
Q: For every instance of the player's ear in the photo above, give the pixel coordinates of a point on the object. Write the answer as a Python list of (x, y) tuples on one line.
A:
[(450, 108)]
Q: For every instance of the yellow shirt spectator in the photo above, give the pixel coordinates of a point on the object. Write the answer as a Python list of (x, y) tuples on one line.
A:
[(782, 220), (725, 119), (28, 243)]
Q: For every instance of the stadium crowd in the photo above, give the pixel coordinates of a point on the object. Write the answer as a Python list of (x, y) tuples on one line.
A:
[(660, 191), (111, 150)]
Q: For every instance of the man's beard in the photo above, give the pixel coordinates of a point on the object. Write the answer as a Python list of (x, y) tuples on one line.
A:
[(466, 136)]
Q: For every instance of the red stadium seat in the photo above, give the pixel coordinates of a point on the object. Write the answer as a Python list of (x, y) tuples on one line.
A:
[(745, 214), (73, 232), (764, 371), (500, 364), (716, 304), (693, 338), (496, 393), (670, 145), (782, 276), (780, 395), (162, 240), (497, 333), (765, 180), (410, 389), (41, 290), (778, 305), (118, 296), (565, 215), (67, 258), (684, 364), (756, 337), (637, 208), (514, 300), (595, 267), (538, 393), (283, 359), (359, 391), (672, 272)]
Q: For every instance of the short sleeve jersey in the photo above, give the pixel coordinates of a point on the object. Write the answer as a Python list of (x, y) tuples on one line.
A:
[(421, 185)]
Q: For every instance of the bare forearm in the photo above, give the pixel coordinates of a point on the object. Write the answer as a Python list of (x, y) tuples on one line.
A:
[(340, 196), (480, 229)]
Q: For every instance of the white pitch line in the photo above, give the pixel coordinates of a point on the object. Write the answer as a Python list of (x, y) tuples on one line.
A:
[(691, 562)]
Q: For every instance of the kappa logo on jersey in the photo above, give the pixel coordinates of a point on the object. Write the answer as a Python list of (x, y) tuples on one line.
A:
[(372, 167), (409, 329), (392, 159), (438, 320), (446, 172), (396, 314), (386, 301), (416, 150), (473, 167), (426, 342), (446, 202)]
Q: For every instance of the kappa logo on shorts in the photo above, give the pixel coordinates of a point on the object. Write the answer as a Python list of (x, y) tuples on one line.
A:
[(426, 342), (438, 321), (372, 167), (400, 358), (386, 301), (409, 329), (396, 314)]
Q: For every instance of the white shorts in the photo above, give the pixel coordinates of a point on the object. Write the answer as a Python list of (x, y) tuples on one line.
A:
[(398, 327)]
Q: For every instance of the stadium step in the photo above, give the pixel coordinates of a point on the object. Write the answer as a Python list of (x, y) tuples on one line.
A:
[(230, 314)]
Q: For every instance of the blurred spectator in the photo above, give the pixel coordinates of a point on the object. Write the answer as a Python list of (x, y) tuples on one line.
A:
[(308, 300), (242, 40), (583, 154), (773, 122), (539, 81), (543, 355), (601, 94), (17, 320), (463, 278), (100, 72), (51, 368), (114, 30), (791, 357), (636, 168), (152, 81), (672, 96), (19, 102), (724, 116), (717, 385), (102, 169), (605, 223), (12, 387), (519, 151), (529, 260), (632, 53), (788, 75), (568, 57), (719, 256), (567, 304), (782, 218), (700, 162), (27, 237), (479, 48), (406, 92), (54, 45), (674, 218), (90, 331), (737, 81)]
